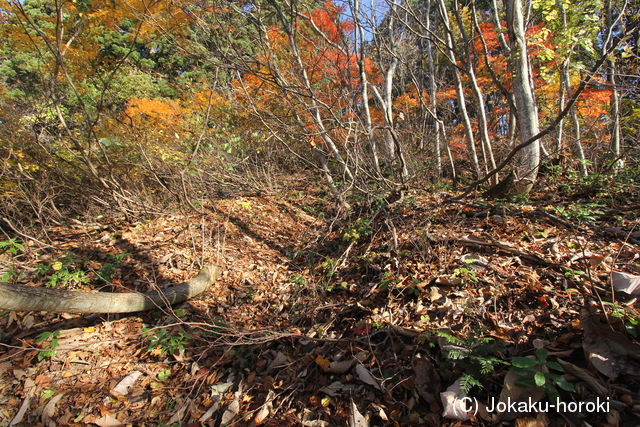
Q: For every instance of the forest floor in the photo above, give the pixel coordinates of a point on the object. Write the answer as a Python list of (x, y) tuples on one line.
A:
[(381, 318)]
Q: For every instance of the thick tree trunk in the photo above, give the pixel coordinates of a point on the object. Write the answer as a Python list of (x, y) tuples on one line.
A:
[(29, 298), (528, 161)]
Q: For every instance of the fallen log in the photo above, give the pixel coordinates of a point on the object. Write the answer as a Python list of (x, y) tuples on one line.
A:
[(29, 298)]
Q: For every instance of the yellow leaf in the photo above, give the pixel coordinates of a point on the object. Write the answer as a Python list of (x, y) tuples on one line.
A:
[(56, 265)]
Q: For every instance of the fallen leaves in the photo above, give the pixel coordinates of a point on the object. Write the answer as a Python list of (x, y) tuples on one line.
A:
[(365, 353), (610, 352)]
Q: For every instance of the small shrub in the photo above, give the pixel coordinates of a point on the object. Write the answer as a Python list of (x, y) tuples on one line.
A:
[(65, 272), (532, 371), (12, 246), (49, 350), (475, 355), (164, 341)]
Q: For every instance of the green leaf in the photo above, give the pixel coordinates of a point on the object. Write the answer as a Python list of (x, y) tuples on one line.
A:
[(552, 392), (47, 393), (539, 379), (523, 362), (526, 382), (555, 365), (564, 384), (43, 337), (541, 354), (164, 375)]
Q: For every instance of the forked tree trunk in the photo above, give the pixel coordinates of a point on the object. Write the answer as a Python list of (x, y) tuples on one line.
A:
[(487, 149), (29, 298), (462, 102), (364, 85), (566, 82)]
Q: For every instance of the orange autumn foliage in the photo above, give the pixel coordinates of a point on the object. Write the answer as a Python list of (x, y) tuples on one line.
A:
[(159, 111)]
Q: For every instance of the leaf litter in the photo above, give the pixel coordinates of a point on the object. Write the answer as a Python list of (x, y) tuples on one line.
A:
[(309, 327)]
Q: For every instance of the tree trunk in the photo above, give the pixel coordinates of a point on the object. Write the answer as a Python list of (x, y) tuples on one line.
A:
[(574, 114), (364, 88), (432, 96), (487, 149), (462, 102), (615, 99), (528, 160), (575, 120), (29, 298)]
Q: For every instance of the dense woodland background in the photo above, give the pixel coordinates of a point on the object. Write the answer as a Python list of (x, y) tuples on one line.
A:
[(403, 197), (122, 106)]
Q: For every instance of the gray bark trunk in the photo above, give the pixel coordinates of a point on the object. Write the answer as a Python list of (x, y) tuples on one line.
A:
[(528, 161), (432, 96), (574, 114), (615, 99), (487, 149), (462, 102)]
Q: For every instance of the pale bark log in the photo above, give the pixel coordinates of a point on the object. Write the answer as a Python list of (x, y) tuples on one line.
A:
[(30, 298)]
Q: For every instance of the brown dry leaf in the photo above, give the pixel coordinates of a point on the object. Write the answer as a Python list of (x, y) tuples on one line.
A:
[(178, 416), (366, 377), (596, 260), (454, 402), (448, 281), (511, 392), (592, 382), (122, 388), (357, 419), (333, 389), (107, 420), (50, 409), (266, 408), (339, 367), (232, 410), (610, 352), (322, 362), (209, 413), (427, 381), (17, 419), (540, 421), (278, 361)]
